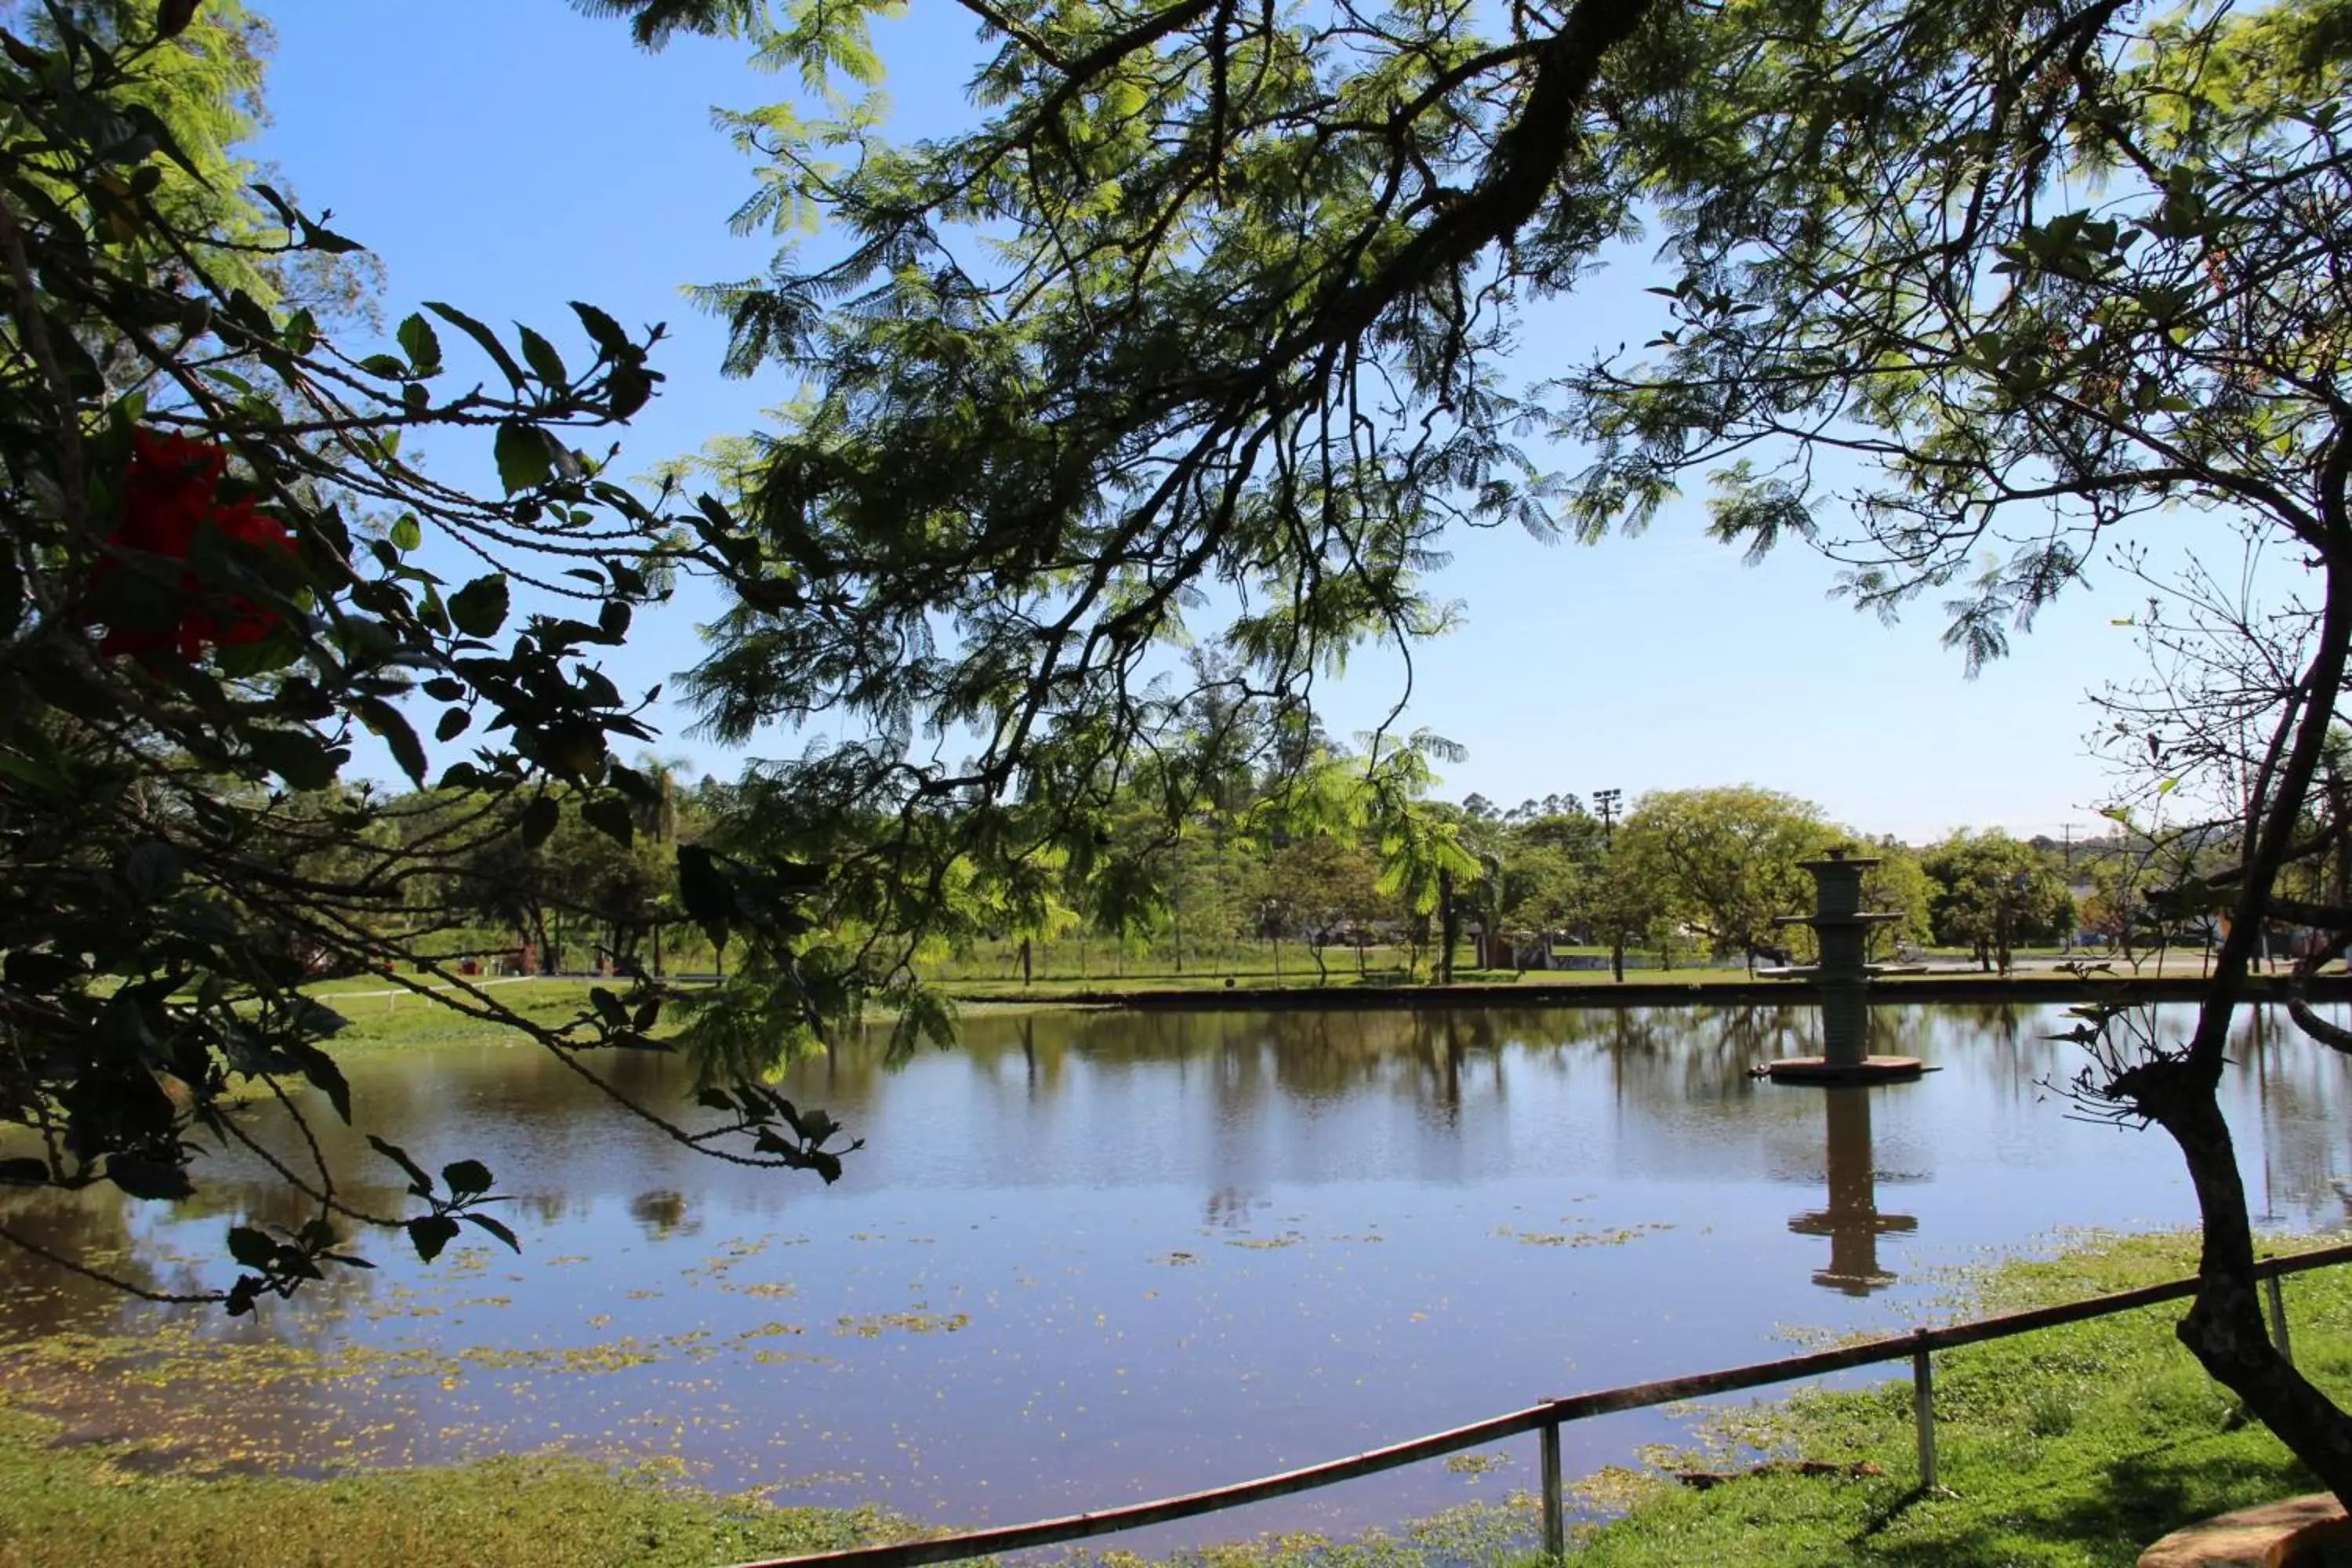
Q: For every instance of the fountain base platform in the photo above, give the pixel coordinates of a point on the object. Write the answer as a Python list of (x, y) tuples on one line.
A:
[(1821, 1069)]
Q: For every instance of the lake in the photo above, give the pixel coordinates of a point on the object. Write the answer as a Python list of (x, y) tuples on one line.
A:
[(1092, 1257)]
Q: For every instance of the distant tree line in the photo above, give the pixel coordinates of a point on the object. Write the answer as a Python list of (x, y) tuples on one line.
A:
[(1317, 846)]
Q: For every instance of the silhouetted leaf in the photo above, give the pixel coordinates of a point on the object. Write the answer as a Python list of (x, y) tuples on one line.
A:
[(479, 608), (430, 1233)]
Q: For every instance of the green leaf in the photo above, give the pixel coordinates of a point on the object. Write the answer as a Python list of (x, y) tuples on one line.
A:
[(629, 387), (323, 1075), (482, 335), (467, 1178), (605, 331), (300, 758), (452, 725), (151, 1179), (479, 608), (407, 533), (702, 887), (543, 358), (609, 815), (538, 820), (495, 1228), (385, 720), (301, 332), (608, 1006), (251, 1248), (430, 1233), (418, 1182), (277, 204), (524, 460), (421, 345), (327, 240)]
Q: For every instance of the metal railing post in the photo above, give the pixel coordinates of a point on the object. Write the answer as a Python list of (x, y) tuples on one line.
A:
[(1554, 1505), (2278, 1319), (1923, 1410)]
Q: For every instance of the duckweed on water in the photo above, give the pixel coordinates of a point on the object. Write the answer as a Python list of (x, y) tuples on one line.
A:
[(2072, 1446), (66, 1507), (874, 1325), (1616, 1238)]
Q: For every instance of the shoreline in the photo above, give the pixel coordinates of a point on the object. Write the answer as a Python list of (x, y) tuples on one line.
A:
[(1893, 991)]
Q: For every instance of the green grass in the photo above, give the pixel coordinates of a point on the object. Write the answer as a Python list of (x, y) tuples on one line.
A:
[(385, 1018), (67, 1507), (2075, 1446)]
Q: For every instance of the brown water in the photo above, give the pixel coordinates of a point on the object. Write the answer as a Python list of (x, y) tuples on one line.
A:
[(1087, 1259)]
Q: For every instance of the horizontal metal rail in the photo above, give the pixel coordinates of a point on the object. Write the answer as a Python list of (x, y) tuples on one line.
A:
[(1551, 1415)]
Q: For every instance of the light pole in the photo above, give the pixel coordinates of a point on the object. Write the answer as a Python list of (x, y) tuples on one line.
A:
[(1604, 801)]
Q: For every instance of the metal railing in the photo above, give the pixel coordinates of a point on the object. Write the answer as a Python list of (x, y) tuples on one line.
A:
[(1547, 1418)]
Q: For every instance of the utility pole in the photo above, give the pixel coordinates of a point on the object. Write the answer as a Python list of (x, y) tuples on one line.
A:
[(1604, 801)]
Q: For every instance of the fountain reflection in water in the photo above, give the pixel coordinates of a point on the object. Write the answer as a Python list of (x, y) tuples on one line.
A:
[(1851, 1220)]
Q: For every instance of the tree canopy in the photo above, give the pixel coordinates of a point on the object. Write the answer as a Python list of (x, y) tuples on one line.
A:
[(1210, 309), (214, 585), (1195, 342)]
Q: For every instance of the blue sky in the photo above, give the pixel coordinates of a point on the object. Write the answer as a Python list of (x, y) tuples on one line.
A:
[(508, 155)]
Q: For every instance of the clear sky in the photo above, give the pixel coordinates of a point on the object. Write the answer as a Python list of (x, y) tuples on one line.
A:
[(508, 155)]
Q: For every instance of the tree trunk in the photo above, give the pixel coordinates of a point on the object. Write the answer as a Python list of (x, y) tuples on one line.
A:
[(2224, 1328), (1449, 928)]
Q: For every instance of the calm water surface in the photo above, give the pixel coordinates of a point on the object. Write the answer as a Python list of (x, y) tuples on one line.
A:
[(1093, 1257)]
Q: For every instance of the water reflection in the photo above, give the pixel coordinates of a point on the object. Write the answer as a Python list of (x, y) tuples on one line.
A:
[(1851, 1220), (1093, 1257)]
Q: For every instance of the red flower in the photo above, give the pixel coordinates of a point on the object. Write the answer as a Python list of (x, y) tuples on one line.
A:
[(172, 489)]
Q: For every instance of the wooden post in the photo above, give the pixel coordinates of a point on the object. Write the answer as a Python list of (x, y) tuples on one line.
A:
[(1555, 1523), (2278, 1319), (1923, 1412)]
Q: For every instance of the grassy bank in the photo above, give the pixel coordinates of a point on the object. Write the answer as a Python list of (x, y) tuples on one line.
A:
[(2075, 1446), (66, 1507)]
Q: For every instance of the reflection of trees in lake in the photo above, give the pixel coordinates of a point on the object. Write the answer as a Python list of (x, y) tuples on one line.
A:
[(664, 1212), (2293, 1088), (1236, 1100)]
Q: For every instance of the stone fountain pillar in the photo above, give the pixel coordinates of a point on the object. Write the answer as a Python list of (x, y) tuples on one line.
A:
[(1841, 979)]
